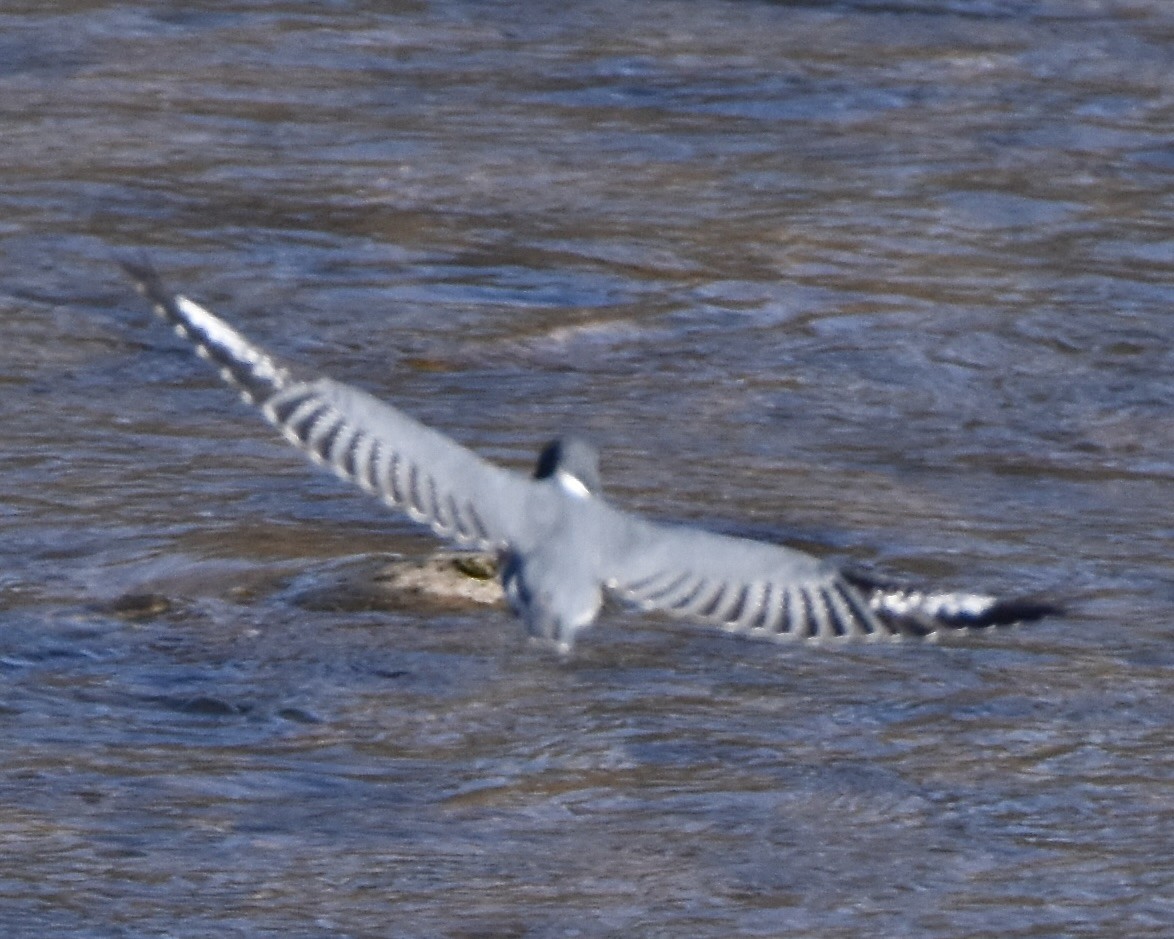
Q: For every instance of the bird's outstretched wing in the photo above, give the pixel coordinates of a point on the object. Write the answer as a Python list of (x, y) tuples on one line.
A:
[(770, 591), (409, 466)]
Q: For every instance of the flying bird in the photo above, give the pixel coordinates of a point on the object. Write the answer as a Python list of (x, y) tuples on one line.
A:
[(562, 546)]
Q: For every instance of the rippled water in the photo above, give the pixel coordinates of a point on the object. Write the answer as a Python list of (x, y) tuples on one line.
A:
[(890, 280)]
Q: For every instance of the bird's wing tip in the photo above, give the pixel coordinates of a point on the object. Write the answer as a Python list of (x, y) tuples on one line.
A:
[(138, 267), (902, 603), (136, 263)]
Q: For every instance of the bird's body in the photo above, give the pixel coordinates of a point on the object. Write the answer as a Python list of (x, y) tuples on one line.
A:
[(562, 544)]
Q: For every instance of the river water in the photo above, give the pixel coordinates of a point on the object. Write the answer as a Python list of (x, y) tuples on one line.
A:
[(889, 280)]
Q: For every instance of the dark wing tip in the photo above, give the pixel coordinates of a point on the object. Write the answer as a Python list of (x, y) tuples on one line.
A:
[(249, 368), (907, 607), (140, 270), (1014, 610)]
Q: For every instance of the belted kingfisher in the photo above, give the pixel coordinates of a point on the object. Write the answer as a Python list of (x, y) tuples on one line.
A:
[(561, 544)]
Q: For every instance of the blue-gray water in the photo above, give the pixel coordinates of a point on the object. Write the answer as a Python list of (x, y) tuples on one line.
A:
[(894, 280)]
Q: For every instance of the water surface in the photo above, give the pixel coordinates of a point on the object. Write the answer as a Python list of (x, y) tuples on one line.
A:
[(887, 280)]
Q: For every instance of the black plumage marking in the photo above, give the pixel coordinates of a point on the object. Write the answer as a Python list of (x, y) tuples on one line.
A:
[(681, 601), (914, 626), (386, 473), (683, 604), (395, 477), (453, 513), (779, 620), (415, 501), (347, 461), (839, 618), (827, 616), (301, 424), (675, 589), (811, 613), (1006, 612), (761, 619), (856, 609), (818, 625), (738, 609), (848, 613), (648, 590), (712, 604), (363, 459), (440, 516), (479, 529), (843, 622), (800, 620), (821, 619), (339, 452), (786, 622), (323, 433), (640, 588), (464, 526), (281, 408)]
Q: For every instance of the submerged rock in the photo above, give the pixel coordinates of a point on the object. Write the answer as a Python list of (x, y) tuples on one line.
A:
[(451, 580), (137, 606)]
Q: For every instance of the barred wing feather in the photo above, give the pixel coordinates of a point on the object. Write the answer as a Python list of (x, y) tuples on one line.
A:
[(744, 586), (409, 466)]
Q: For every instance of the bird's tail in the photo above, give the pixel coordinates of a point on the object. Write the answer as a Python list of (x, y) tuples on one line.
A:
[(918, 612)]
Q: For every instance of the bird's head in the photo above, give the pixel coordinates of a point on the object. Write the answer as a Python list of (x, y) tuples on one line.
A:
[(571, 462)]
